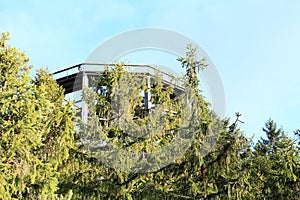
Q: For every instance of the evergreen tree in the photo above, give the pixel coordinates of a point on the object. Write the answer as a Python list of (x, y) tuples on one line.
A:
[(219, 174), (36, 128), (43, 157), (275, 166)]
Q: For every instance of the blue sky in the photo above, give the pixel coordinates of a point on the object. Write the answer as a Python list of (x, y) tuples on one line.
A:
[(254, 44)]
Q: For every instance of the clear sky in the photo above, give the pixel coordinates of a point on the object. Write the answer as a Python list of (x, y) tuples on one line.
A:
[(255, 45)]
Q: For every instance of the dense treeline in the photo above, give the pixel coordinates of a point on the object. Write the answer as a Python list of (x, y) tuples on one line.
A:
[(42, 156)]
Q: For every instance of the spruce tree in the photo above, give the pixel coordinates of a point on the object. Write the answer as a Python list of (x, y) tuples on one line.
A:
[(36, 128), (275, 165), (201, 172)]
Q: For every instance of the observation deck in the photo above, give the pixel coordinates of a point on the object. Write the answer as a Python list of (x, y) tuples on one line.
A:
[(74, 79)]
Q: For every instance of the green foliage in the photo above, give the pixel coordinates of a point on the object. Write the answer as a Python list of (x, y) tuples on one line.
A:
[(36, 128), (190, 176), (192, 65), (275, 165), (42, 156), (126, 124)]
